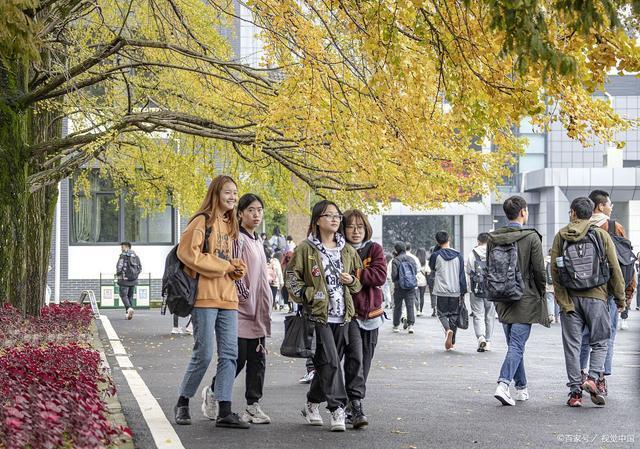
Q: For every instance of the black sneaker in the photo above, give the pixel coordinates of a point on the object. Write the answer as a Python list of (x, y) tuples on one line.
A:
[(232, 421), (182, 415), (359, 419)]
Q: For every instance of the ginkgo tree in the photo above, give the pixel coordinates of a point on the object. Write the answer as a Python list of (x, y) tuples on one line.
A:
[(361, 101)]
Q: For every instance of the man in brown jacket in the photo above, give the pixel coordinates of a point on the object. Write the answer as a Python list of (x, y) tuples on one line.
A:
[(586, 307), (601, 218)]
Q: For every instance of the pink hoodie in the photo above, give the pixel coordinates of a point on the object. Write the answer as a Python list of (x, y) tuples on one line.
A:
[(254, 293)]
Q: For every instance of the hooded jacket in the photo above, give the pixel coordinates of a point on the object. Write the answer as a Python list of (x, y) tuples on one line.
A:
[(450, 280), (574, 231), (531, 308), (306, 283), (368, 301)]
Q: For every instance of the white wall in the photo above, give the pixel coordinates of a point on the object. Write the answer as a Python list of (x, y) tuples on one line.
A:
[(88, 262)]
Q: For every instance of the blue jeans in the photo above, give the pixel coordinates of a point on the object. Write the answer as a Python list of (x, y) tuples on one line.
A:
[(585, 349), (513, 366), (207, 324)]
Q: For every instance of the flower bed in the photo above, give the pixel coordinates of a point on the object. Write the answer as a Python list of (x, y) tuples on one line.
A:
[(52, 383)]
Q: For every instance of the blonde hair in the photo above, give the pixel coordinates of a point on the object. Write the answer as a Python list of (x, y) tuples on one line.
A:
[(210, 204)]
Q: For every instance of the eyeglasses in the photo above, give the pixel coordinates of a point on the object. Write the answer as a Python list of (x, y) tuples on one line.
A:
[(332, 217), (354, 228)]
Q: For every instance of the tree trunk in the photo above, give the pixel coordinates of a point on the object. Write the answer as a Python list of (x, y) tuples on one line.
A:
[(26, 219)]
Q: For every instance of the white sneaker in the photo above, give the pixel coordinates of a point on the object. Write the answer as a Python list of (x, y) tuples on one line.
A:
[(623, 324), (337, 420), (307, 378), (176, 330), (482, 344), (396, 329), (311, 413), (522, 395), (502, 394), (255, 415), (209, 404), (410, 329), (188, 330), (130, 313), (419, 314)]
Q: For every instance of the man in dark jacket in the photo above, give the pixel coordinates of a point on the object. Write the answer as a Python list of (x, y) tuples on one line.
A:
[(400, 291), (127, 271), (518, 316), (586, 308), (449, 286)]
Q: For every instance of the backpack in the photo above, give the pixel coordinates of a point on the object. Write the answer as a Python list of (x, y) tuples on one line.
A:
[(583, 264), (477, 275), (178, 288), (407, 279), (502, 279), (132, 267), (624, 251)]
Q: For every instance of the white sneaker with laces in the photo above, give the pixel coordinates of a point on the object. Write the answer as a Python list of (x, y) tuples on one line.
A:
[(410, 329), (482, 344), (209, 404), (255, 414), (502, 394), (521, 395), (176, 330), (337, 420), (623, 324), (396, 329), (130, 313), (311, 413)]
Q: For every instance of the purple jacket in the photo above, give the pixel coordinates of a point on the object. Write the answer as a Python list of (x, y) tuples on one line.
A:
[(373, 276), (254, 293)]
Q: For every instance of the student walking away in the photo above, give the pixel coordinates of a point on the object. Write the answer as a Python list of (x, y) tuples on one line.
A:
[(515, 281), (421, 277), (128, 269), (482, 310), (323, 276), (626, 260), (254, 309), (277, 240), (274, 276), (449, 287), (214, 315), (404, 276), (177, 330), (369, 314), (549, 296), (585, 274)]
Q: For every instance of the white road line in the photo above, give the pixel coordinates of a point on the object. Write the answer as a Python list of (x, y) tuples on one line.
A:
[(108, 328), (161, 429)]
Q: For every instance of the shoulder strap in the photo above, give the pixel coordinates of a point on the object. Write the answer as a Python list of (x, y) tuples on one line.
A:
[(612, 228)]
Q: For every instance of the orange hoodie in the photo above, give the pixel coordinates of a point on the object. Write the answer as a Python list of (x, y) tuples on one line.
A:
[(216, 289)]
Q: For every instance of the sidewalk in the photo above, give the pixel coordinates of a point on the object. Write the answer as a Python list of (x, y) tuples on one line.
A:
[(418, 396)]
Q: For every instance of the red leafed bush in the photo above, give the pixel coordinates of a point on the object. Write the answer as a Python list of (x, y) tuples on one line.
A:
[(64, 323), (50, 398)]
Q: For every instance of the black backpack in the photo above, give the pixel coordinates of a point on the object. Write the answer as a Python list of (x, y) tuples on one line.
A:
[(132, 267), (583, 264), (503, 280), (624, 251), (178, 288), (477, 275)]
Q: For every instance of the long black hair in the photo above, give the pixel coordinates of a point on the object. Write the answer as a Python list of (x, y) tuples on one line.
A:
[(318, 209), (246, 200), (421, 254)]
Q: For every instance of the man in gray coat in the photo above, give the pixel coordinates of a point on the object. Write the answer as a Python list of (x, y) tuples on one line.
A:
[(518, 316)]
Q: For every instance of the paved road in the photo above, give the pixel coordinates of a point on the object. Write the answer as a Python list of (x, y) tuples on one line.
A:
[(419, 396)]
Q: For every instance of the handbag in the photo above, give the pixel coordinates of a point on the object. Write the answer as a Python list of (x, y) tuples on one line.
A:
[(463, 316), (298, 337)]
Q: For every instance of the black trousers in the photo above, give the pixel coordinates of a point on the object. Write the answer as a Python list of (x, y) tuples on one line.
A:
[(421, 292), (354, 363), (448, 311), (126, 294), (328, 382), (252, 353), (359, 357), (409, 298)]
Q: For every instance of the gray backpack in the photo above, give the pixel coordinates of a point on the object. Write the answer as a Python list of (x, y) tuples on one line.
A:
[(583, 264), (503, 280)]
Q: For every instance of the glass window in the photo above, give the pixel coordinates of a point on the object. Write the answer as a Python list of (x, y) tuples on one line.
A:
[(419, 230), (535, 144), (104, 217), (530, 162)]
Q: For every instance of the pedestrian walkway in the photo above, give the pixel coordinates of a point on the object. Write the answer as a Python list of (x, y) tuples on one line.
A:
[(419, 396)]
